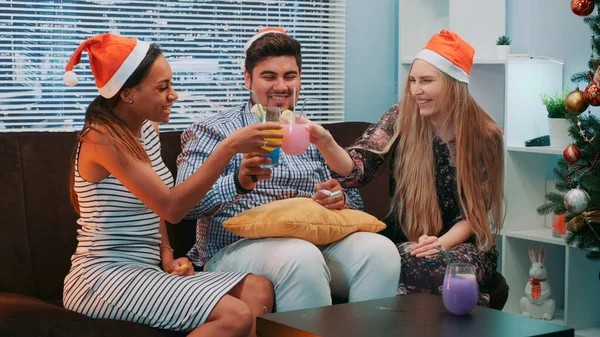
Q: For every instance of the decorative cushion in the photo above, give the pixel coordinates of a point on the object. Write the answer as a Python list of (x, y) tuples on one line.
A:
[(301, 218)]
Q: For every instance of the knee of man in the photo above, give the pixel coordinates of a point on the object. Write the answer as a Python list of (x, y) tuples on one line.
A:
[(299, 256), (377, 249), (298, 251)]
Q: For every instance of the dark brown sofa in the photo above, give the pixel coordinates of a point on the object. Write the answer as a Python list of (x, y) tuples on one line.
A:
[(38, 233)]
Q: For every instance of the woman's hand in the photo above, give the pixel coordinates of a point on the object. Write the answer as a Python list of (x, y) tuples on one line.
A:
[(180, 267), (335, 156), (318, 135), (426, 246), (252, 138)]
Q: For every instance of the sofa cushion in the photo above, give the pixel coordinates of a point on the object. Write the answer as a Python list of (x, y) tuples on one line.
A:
[(51, 220), (183, 234), (17, 275), (27, 316), (301, 218)]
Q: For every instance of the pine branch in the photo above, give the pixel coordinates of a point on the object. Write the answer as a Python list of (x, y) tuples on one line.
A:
[(563, 185), (554, 203), (586, 240), (560, 172), (592, 21), (580, 77), (593, 255)]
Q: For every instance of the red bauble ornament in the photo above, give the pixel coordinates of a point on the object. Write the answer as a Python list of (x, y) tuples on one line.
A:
[(582, 7), (597, 76), (592, 94), (572, 154)]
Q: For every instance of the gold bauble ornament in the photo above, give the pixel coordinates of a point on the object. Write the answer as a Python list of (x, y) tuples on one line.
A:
[(575, 102)]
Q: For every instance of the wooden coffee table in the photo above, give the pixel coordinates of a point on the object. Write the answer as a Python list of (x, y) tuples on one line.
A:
[(420, 315)]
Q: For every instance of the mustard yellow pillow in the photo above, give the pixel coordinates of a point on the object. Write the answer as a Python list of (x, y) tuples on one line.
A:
[(301, 218)]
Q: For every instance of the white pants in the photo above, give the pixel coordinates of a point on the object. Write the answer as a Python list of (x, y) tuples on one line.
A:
[(362, 266)]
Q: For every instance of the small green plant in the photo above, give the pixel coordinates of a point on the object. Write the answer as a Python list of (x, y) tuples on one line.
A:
[(555, 104), (503, 41)]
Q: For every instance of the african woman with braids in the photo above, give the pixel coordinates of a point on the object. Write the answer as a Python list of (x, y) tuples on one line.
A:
[(123, 267)]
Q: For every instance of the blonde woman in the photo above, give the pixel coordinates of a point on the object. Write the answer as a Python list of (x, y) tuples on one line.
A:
[(446, 165)]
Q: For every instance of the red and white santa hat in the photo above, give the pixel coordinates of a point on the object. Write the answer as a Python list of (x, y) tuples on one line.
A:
[(112, 60), (450, 54), (268, 30)]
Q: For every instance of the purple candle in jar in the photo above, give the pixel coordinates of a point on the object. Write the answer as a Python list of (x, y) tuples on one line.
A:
[(460, 290)]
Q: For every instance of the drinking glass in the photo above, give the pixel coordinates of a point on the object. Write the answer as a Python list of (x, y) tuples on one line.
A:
[(460, 290), (272, 115), (295, 136)]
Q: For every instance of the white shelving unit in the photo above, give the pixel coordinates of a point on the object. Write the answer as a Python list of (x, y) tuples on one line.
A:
[(542, 149), (573, 278), (536, 234), (509, 90)]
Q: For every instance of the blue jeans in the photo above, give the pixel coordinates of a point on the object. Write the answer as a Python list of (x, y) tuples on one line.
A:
[(362, 266)]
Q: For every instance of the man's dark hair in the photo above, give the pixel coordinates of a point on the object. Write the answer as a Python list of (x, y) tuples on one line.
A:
[(270, 45)]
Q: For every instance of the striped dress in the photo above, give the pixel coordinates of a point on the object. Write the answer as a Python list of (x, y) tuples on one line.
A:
[(115, 271)]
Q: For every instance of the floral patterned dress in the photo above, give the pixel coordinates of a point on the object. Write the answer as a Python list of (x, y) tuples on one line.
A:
[(420, 274)]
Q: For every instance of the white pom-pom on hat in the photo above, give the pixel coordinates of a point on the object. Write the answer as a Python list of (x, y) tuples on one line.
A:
[(70, 78)]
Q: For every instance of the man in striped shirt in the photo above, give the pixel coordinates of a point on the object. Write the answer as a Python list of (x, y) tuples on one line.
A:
[(361, 266)]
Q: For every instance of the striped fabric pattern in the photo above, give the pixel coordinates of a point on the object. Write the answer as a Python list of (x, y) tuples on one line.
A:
[(296, 176), (115, 270)]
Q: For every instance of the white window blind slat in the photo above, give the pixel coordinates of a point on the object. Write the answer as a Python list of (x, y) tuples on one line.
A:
[(202, 40), (192, 6), (166, 26)]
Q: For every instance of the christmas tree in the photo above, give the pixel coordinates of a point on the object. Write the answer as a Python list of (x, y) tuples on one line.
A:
[(578, 172)]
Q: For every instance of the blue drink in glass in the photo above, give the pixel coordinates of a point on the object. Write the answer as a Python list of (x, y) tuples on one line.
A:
[(274, 155)]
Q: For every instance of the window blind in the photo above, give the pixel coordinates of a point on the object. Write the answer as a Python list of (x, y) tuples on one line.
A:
[(203, 41)]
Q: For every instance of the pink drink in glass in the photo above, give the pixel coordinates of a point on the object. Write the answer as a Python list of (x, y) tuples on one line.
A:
[(295, 138), (460, 289)]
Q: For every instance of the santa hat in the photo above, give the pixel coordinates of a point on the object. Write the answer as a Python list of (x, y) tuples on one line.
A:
[(112, 60), (269, 30), (450, 54)]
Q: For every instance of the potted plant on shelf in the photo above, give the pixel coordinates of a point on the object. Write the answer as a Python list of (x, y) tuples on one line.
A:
[(558, 124), (503, 47)]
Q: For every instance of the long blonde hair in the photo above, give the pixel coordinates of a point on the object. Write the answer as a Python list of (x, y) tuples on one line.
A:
[(479, 166)]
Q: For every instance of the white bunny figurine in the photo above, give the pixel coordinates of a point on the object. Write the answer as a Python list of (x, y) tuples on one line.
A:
[(537, 302)]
